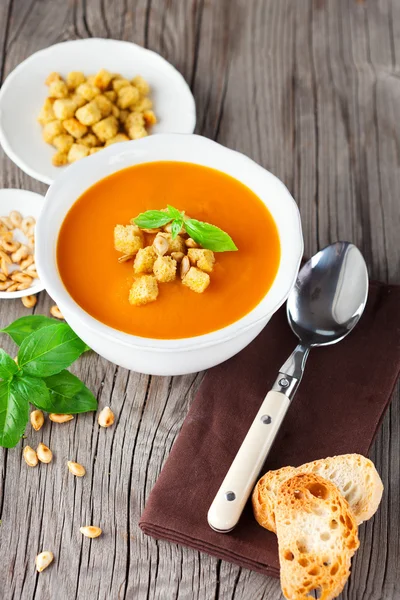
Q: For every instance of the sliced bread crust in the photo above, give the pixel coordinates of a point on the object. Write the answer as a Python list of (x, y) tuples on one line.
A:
[(354, 475), (317, 536)]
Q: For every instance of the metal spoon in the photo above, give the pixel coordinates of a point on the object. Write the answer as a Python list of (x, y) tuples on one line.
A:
[(326, 303)]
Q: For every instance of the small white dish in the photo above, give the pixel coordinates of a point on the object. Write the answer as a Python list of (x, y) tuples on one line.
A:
[(28, 204), (176, 356), (24, 92)]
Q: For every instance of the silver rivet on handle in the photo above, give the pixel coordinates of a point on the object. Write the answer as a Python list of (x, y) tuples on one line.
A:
[(266, 419)]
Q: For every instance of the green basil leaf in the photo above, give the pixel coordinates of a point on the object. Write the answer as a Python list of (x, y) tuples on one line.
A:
[(177, 222), (174, 212), (209, 236), (64, 383), (176, 227), (151, 219), (68, 395), (14, 414), (8, 368), (30, 389), (21, 328), (49, 350)]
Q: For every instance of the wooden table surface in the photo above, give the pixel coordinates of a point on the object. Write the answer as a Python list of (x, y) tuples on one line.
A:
[(309, 89)]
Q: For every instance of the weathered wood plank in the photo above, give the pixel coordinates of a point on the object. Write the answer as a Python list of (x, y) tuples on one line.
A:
[(311, 91)]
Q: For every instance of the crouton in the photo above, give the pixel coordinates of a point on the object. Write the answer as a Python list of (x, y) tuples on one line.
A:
[(76, 152), (176, 245), (59, 159), (128, 239), (149, 117), (53, 77), (202, 258), (144, 290), (144, 260), (135, 133), (120, 137), (78, 100), (134, 119), (123, 115), (90, 140), (74, 79), (89, 114), (106, 128), (111, 95), (102, 79), (141, 84), (90, 79), (115, 111), (194, 254), (63, 142), (64, 108), (119, 83), (127, 96), (143, 105), (196, 280), (94, 150), (164, 269), (74, 128), (58, 89), (105, 105), (206, 262), (51, 130), (46, 112), (134, 126), (87, 91)]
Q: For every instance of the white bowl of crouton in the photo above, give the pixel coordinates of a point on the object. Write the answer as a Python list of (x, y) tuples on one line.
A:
[(64, 102), (169, 356)]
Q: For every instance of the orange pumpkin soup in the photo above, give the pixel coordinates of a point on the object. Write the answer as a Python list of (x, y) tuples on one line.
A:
[(94, 278)]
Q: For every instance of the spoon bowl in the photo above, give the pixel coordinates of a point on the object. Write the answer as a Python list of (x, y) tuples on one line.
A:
[(329, 296)]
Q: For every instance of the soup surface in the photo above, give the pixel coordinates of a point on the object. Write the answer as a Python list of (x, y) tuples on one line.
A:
[(91, 273)]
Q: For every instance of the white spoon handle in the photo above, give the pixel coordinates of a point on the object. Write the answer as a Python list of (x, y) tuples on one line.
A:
[(228, 504)]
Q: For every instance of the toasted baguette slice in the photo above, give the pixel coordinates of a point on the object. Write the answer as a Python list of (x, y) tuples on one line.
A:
[(354, 475), (317, 536)]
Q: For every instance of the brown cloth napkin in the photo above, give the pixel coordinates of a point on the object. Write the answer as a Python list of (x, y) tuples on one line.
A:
[(337, 409)]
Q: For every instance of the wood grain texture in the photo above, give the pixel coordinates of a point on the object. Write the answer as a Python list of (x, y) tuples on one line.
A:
[(310, 89)]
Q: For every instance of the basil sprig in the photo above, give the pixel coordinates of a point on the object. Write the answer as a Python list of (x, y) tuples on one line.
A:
[(47, 348), (206, 235)]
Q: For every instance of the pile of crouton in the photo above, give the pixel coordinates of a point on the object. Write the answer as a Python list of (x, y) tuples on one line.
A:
[(82, 114), (157, 258)]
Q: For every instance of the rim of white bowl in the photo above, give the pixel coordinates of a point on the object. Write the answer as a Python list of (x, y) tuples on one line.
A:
[(286, 275), (35, 197), (7, 145)]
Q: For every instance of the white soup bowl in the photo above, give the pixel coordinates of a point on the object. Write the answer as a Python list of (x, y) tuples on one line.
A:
[(175, 356)]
